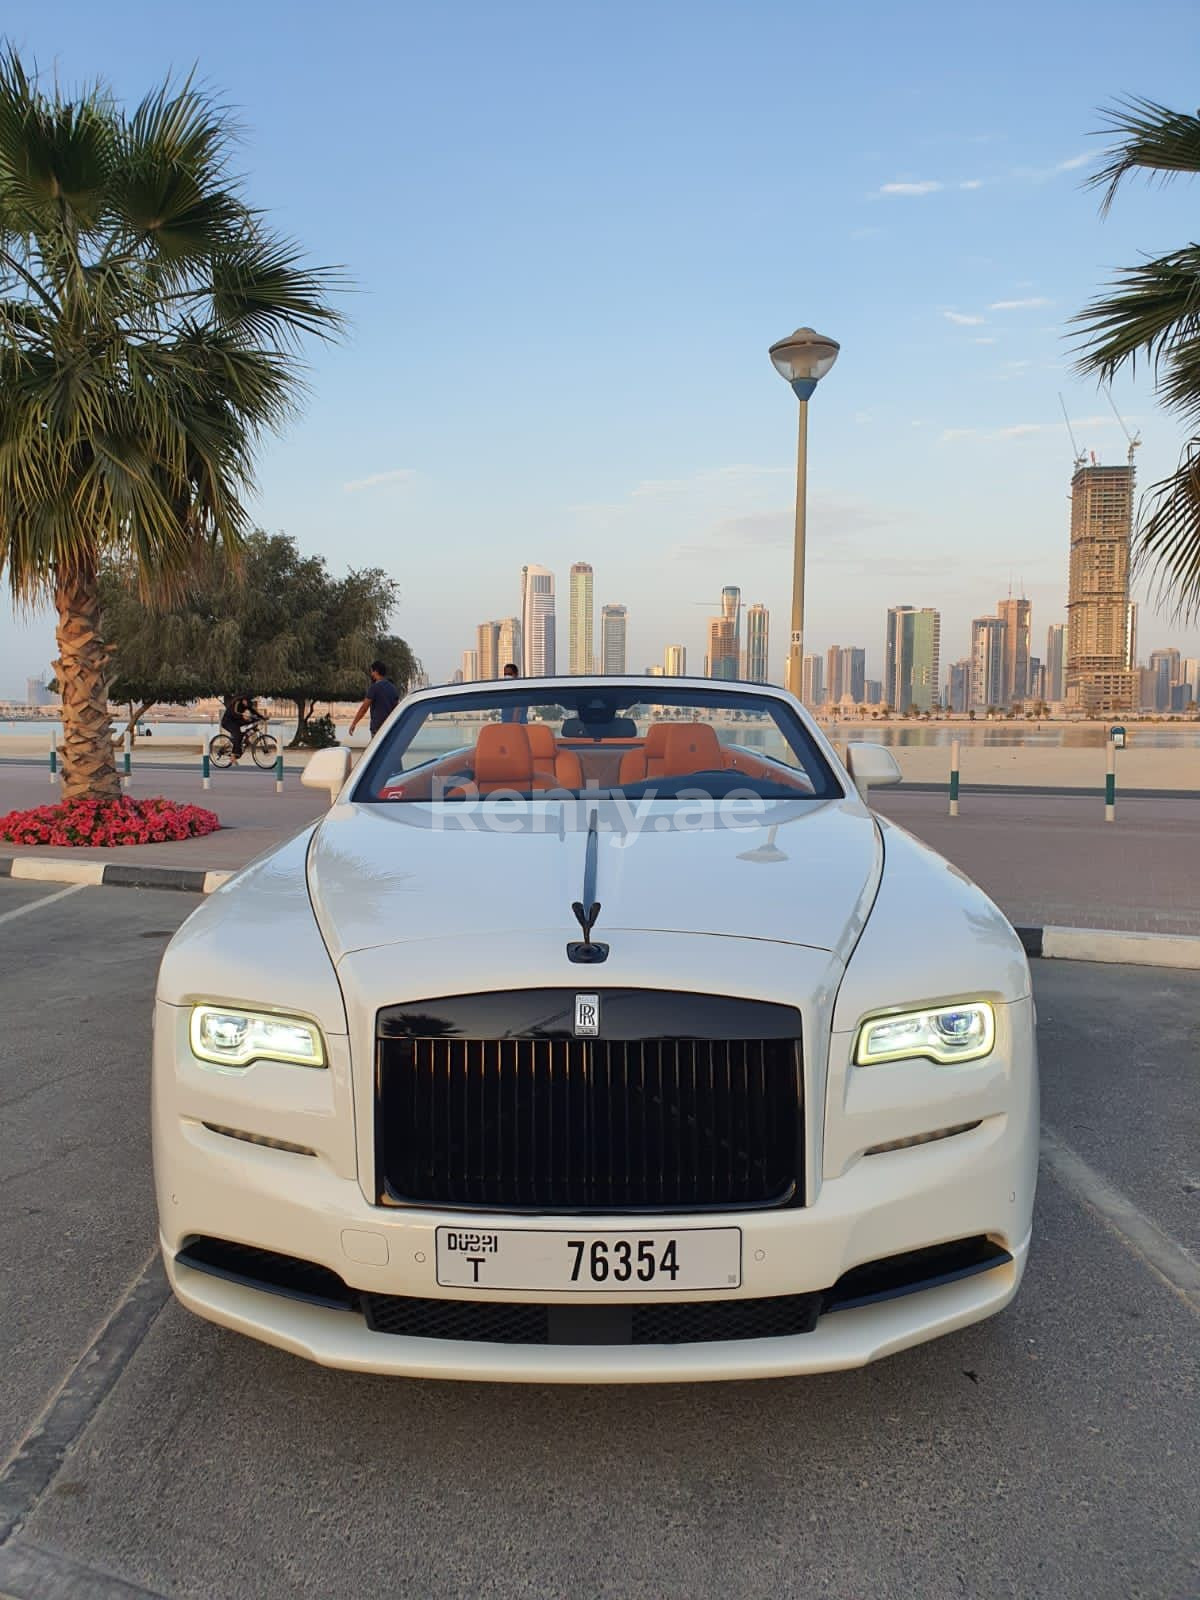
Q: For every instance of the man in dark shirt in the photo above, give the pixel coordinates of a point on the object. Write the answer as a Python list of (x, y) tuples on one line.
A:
[(513, 713), (382, 698)]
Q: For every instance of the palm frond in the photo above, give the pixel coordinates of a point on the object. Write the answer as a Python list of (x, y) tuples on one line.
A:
[(55, 154), (1154, 307), (1168, 541), (1153, 139), (263, 291)]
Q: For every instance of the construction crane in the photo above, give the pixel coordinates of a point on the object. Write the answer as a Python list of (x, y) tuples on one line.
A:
[(1080, 457), (1132, 439)]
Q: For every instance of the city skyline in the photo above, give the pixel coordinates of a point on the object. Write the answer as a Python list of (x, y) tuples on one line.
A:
[(999, 670), (1090, 663)]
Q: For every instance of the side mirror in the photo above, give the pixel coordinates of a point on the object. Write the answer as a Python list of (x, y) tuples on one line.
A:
[(872, 764), (327, 769)]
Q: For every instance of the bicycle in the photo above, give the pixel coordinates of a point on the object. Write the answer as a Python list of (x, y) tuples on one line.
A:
[(261, 745)]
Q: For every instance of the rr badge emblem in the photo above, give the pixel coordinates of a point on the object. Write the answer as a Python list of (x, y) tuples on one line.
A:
[(587, 1016)]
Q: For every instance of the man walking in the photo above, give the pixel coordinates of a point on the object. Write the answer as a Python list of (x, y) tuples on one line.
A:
[(381, 699)]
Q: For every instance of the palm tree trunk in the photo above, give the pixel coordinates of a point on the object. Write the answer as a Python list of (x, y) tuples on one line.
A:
[(89, 767)]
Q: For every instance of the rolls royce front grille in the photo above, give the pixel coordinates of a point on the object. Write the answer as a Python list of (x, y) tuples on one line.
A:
[(544, 1121)]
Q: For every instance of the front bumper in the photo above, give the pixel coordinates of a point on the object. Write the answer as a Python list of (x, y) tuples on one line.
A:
[(977, 1183), (841, 1339)]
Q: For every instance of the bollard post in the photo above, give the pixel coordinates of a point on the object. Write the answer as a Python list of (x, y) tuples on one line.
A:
[(206, 781), (279, 773), (1110, 784), (127, 763), (53, 760), (954, 778)]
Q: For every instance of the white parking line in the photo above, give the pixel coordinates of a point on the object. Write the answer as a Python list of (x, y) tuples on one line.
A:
[(1165, 1256), (46, 900)]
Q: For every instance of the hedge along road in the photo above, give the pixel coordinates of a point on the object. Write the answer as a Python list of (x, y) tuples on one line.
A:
[(1053, 1451)]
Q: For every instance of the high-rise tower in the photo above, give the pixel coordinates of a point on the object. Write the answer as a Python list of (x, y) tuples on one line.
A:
[(612, 638), (582, 613), (758, 643), (1056, 660), (1100, 675), (537, 622), (487, 649), (912, 671), (731, 610), (989, 649), (1016, 616)]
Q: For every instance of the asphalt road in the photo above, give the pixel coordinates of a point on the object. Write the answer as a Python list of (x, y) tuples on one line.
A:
[(1053, 1451)]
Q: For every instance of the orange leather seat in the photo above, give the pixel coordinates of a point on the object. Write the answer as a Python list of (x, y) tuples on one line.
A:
[(503, 759), (693, 747), (637, 765), (561, 766)]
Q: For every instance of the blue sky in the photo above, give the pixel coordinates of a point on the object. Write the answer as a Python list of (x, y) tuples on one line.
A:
[(575, 228)]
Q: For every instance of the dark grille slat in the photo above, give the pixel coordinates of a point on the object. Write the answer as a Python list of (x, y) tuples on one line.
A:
[(557, 1123)]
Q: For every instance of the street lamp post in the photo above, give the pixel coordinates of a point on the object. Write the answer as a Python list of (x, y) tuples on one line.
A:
[(803, 358)]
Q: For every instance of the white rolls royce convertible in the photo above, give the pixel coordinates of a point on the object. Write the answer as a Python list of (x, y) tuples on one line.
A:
[(598, 1032)]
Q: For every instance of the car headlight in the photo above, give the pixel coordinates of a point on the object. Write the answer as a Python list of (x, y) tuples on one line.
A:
[(234, 1038), (949, 1034)]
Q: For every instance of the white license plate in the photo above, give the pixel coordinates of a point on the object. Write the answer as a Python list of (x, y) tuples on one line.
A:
[(630, 1260)]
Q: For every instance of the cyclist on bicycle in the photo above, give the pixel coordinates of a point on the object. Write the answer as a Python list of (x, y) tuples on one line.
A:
[(239, 715)]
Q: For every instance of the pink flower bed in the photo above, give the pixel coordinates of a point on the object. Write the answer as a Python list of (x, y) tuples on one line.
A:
[(107, 822)]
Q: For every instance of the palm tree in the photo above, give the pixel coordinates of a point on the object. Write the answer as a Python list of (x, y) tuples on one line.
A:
[(1153, 316), (149, 330)]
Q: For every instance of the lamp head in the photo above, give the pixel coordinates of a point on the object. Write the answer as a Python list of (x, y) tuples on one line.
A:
[(803, 358)]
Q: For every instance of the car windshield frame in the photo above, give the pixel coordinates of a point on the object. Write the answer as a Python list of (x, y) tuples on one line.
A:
[(807, 758)]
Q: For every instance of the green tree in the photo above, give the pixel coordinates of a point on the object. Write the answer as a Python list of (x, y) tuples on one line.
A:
[(149, 332), (307, 636), (278, 624), (1152, 315), (169, 655)]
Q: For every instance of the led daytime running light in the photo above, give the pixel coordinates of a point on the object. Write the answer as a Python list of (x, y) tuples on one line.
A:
[(945, 1034), (231, 1037)]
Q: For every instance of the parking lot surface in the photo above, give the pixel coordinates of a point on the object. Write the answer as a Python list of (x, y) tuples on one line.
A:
[(1052, 1451)]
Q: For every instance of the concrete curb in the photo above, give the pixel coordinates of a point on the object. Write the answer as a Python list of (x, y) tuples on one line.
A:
[(1177, 950), (1113, 945), (131, 875)]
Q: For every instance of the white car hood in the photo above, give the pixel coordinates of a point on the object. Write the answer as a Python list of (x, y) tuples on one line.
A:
[(804, 873)]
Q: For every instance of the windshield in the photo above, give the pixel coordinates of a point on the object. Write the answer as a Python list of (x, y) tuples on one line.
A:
[(543, 742)]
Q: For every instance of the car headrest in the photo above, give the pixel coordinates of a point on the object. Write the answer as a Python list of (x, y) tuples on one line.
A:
[(502, 754), (541, 740), (656, 740), (691, 748)]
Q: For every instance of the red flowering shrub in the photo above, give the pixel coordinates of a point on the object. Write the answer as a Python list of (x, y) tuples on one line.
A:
[(108, 822)]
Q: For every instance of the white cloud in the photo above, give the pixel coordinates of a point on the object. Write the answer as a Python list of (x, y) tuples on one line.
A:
[(927, 186), (1044, 174), (713, 478), (972, 183), (376, 479), (962, 319), (1028, 304), (985, 338)]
